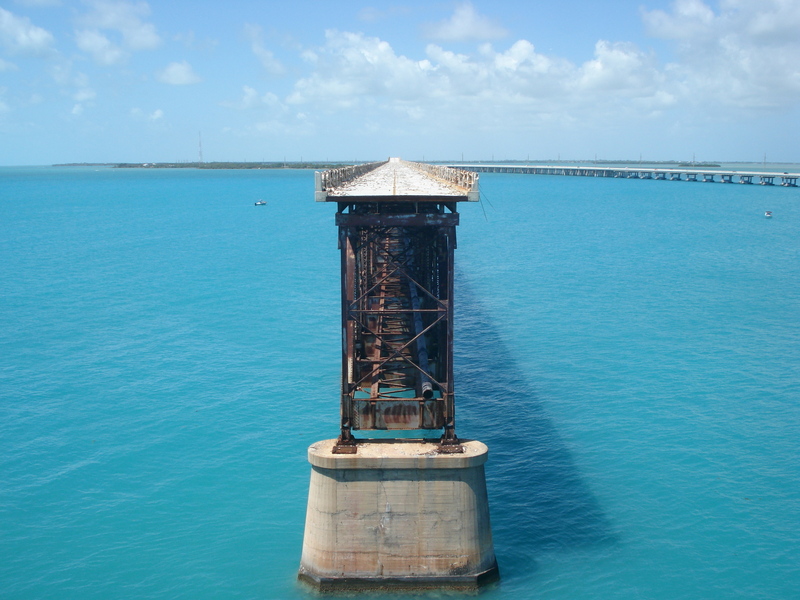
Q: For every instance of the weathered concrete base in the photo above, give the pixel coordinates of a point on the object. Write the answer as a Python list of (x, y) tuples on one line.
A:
[(397, 514), (413, 583)]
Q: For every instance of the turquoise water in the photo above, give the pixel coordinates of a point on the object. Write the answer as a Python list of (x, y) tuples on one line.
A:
[(629, 350)]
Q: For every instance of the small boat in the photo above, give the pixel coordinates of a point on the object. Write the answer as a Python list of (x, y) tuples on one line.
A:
[(261, 203), (768, 214)]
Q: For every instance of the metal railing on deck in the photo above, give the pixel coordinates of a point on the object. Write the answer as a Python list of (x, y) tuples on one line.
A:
[(466, 180), (328, 180)]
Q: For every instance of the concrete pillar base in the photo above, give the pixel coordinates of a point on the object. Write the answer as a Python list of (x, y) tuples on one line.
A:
[(397, 514), (412, 583)]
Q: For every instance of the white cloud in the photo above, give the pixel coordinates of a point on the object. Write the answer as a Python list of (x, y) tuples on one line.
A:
[(7, 66), (620, 68), (689, 19), (190, 41), (178, 73), (522, 73), (99, 46), (84, 95), (520, 54), (738, 58), (152, 117), (4, 108), (512, 89), (352, 67), (251, 99), (20, 36), (745, 55), (299, 125), (309, 56), (61, 72), (125, 18), (466, 24), (74, 84), (267, 58)]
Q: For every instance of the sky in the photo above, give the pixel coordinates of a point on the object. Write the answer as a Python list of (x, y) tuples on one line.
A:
[(133, 81)]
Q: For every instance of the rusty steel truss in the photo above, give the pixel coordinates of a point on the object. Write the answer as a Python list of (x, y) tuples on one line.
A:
[(397, 325), (397, 235)]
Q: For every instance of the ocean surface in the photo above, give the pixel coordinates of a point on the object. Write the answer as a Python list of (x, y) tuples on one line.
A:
[(629, 350)]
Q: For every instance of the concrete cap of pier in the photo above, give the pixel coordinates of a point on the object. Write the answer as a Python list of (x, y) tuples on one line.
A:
[(397, 454)]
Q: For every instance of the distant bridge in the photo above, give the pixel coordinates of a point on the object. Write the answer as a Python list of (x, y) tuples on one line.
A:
[(671, 174)]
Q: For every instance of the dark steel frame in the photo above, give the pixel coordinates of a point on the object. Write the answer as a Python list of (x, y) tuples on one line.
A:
[(397, 317)]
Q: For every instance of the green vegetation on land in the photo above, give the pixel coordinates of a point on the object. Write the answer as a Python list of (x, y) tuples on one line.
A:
[(230, 165), (213, 165)]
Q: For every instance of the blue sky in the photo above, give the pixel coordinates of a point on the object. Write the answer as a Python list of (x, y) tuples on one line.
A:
[(115, 81)]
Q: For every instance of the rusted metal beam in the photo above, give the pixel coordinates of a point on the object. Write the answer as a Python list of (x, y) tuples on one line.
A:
[(405, 199), (397, 314), (397, 220)]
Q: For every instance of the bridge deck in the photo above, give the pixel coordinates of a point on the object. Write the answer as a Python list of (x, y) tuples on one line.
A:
[(397, 180)]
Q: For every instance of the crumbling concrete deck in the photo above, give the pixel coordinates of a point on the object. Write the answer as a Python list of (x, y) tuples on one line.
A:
[(397, 178)]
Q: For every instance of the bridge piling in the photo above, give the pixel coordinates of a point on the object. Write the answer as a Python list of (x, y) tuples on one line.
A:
[(391, 512)]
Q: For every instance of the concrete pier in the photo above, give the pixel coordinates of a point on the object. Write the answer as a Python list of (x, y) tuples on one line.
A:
[(397, 514)]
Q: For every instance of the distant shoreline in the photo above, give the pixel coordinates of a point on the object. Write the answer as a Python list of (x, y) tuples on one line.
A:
[(335, 164), (211, 165)]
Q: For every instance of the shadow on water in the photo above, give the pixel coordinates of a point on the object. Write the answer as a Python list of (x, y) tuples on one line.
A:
[(539, 501)]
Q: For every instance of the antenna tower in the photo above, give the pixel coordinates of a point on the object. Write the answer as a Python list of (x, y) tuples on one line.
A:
[(200, 146)]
